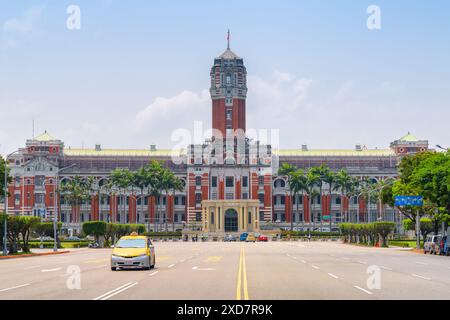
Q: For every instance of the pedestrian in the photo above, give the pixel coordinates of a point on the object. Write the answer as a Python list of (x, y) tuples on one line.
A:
[(309, 237)]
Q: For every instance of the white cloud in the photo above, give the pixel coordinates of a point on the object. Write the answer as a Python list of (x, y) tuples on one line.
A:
[(21, 28), (345, 90)]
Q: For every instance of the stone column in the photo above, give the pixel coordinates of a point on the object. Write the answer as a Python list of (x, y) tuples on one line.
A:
[(246, 217)]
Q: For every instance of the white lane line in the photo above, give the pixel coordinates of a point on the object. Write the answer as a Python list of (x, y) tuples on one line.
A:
[(361, 262), (386, 268), (202, 269), (303, 261), (301, 245), (50, 270), (420, 277), (16, 287), (363, 290), (171, 266), (315, 267), (113, 292), (181, 261), (154, 273), (333, 276), (33, 267), (422, 263)]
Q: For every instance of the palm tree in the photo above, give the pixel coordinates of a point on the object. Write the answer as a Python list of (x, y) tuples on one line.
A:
[(289, 171), (299, 184), (343, 183), (321, 172), (75, 191), (312, 181), (121, 179), (330, 178)]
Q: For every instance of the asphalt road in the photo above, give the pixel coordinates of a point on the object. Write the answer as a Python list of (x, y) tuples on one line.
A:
[(274, 270)]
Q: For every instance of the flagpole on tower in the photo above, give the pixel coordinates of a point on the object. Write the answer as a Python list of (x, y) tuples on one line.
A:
[(228, 40)]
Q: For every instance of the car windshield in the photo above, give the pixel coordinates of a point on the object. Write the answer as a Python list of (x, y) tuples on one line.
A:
[(131, 243)]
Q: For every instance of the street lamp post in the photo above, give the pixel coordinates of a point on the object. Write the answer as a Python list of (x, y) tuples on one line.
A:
[(55, 206), (5, 227)]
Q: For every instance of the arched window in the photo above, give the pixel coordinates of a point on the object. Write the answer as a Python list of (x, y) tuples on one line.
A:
[(198, 181)]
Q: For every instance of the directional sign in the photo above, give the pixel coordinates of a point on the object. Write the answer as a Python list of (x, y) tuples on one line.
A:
[(408, 201)]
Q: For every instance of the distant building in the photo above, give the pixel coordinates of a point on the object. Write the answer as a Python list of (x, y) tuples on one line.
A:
[(231, 182)]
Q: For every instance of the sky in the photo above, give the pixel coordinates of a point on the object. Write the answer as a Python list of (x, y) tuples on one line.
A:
[(136, 71)]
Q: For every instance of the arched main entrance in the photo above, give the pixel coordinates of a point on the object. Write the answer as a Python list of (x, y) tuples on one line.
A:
[(231, 221)]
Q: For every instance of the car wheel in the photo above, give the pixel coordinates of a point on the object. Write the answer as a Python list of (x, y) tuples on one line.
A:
[(113, 268)]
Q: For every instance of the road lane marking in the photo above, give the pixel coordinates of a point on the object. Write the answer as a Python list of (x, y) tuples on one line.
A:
[(315, 267), (363, 290), (333, 276), (422, 263), (202, 269), (50, 270), (33, 267), (420, 277), (361, 262), (214, 259), (181, 261), (118, 290), (242, 277), (386, 268), (15, 287), (154, 273), (171, 266), (303, 261)]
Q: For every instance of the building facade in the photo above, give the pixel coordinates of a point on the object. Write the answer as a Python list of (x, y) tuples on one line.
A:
[(230, 181)]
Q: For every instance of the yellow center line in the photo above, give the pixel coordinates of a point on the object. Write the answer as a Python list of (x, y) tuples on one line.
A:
[(242, 277)]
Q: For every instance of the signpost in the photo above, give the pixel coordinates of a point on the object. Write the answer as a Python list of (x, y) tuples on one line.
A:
[(408, 201), (411, 201)]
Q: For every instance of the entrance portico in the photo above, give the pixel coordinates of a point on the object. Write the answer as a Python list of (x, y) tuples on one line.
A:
[(230, 216)]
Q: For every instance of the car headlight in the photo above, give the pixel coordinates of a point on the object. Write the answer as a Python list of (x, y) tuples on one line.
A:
[(143, 255)]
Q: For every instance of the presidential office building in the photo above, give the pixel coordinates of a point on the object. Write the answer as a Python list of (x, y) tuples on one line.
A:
[(230, 181)]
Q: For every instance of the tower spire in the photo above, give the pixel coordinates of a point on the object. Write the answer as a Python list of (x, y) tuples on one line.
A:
[(228, 40)]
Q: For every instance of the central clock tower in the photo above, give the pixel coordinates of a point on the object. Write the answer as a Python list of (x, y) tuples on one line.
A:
[(228, 93)]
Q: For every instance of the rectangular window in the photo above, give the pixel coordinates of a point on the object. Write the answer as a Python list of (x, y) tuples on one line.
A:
[(229, 182), (245, 182), (214, 182)]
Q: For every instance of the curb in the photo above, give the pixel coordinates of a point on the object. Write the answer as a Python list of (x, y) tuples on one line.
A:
[(33, 255)]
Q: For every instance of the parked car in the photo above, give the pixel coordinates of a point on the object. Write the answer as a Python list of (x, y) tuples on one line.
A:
[(73, 238), (446, 250), (431, 245), (263, 238), (230, 238), (250, 238), (243, 236)]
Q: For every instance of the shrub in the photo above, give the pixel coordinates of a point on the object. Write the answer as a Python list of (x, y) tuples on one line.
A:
[(95, 228)]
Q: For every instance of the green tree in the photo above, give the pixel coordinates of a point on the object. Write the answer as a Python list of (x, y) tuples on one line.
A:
[(426, 226), (384, 229), (76, 191), (289, 171), (95, 228), (3, 167)]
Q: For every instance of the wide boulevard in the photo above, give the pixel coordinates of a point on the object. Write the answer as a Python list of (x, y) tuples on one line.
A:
[(253, 271)]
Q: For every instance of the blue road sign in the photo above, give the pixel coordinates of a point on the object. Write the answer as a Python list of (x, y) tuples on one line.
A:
[(408, 201)]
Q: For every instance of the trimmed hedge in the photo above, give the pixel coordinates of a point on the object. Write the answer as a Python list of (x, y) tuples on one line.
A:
[(294, 234), (367, 233), (176, 234)]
